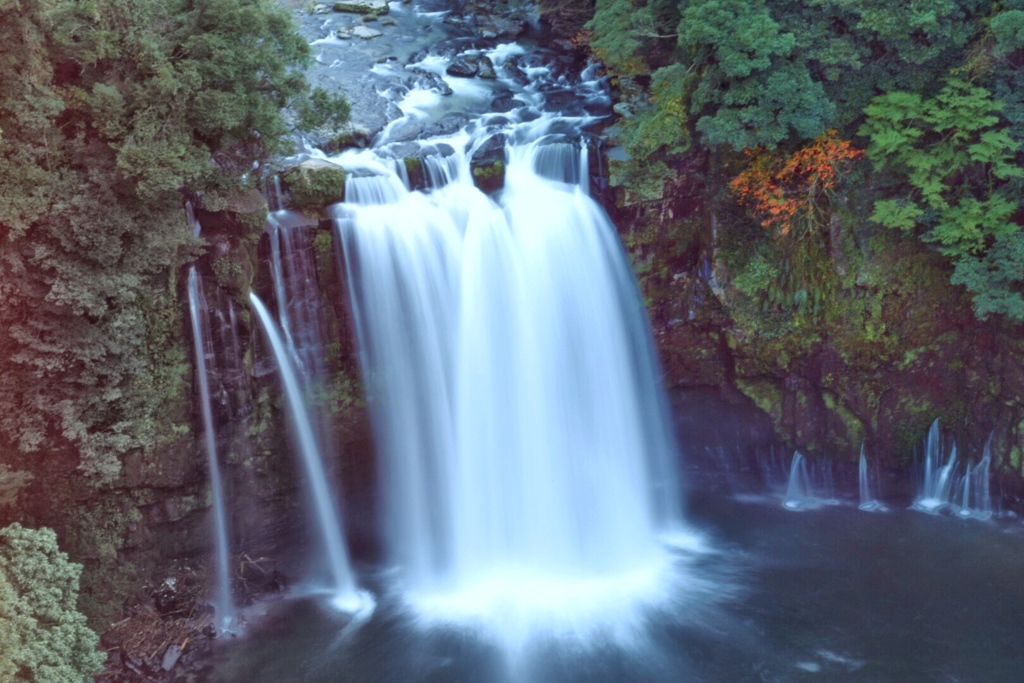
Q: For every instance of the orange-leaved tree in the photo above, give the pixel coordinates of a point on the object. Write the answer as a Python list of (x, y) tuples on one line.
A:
[(793, 194)]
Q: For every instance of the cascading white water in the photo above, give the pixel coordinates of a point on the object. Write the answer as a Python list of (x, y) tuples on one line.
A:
[(982, 488), (975, 494), (942, 487), (527, 460), (223, 603), (798, 492), (328, 521), (965, 493), (937, 482), (867, 501)]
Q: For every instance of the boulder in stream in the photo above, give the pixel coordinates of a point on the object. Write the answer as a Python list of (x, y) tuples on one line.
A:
[(365, 32), (315, 183), (362, 6), (464, 66)]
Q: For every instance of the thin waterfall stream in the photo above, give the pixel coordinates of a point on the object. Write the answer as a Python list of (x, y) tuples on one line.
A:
[(341, 584), (223, 603)]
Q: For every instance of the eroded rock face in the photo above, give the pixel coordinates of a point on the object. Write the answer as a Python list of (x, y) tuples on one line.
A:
[(362, 7)]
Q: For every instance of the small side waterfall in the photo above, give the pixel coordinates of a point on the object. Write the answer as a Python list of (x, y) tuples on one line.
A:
[(965, 495), (798, 493), (982, 488), (328, 521), (810, 485), (222, 602), (937, 480), (943, 487), (868, 503), (975, 493)]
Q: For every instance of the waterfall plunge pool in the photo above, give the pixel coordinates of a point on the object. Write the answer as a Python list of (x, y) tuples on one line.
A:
[(831, 595)]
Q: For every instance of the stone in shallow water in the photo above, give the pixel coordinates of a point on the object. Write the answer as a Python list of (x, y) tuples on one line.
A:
[(428, 80), (406, 131), (463, 66), (486, 67), (365, 32), (362, 6), (504, 103), (448, 124), (623, 109)]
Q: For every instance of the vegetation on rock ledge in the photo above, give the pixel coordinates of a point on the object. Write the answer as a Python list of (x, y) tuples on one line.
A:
[(834, 188), (113, 113)]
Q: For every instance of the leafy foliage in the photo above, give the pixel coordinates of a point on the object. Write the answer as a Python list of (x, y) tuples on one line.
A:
[(662, 127), (956, 156), (113, 112), (613, 38), (995, 277), (752, 91), (783, 191), (43, 637)]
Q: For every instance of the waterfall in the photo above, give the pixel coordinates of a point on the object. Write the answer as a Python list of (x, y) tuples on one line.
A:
[(867, 501), (982, 486), (528, 467), (222, 602), (297, 291), (937, 482), (965, 495), (278, 202), (798, 493), (328, 521), (942, 486), (975, 494), (810, 485)]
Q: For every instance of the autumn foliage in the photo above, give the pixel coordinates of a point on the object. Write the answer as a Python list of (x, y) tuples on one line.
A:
[(784, 192)]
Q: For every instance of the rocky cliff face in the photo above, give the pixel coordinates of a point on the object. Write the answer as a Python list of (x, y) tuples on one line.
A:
[(883, 358), (156, 514)]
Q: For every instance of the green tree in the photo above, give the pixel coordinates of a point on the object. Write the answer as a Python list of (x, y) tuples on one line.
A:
[(614, 37), (753, 89), (43, 637), (952, 157), (114, 112)]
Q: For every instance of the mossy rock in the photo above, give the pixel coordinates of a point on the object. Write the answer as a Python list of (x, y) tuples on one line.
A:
[(314, 184), (490, 177), (362, 6), (414, 171), (847, 431), (767, 396)]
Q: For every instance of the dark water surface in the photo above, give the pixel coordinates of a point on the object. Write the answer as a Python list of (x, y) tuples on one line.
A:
[(830, 595)]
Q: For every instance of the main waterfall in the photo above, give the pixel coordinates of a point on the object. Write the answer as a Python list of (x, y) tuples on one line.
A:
[(528, 464)]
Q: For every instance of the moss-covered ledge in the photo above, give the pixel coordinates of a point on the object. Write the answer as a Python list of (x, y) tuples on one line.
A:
[(314, 184)]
